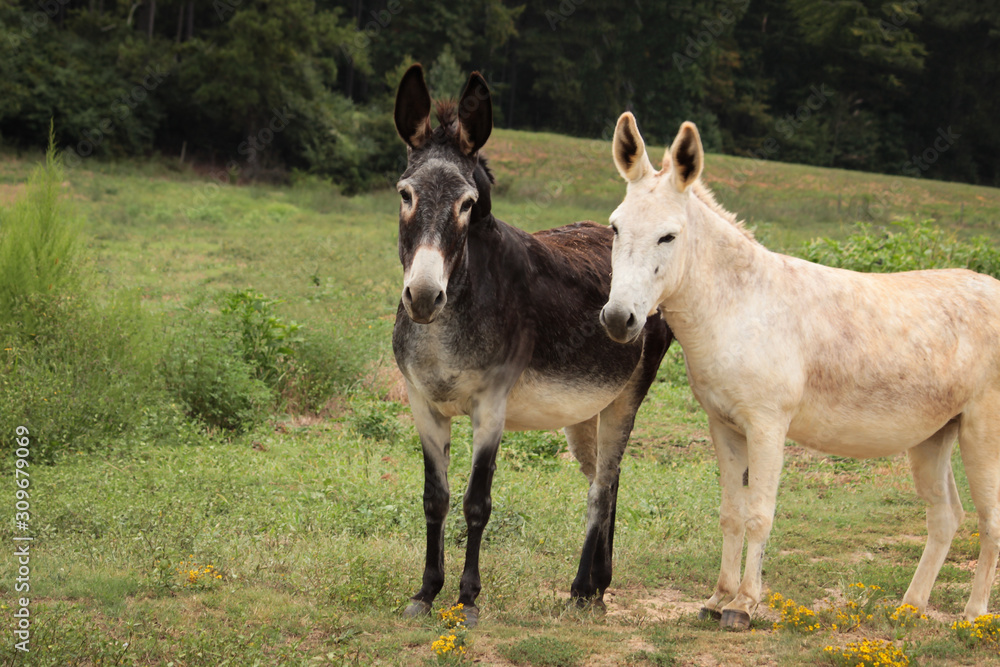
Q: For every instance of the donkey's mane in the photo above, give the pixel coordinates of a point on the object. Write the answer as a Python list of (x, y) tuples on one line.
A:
[(447, 130), (447, 115), (707, 197)]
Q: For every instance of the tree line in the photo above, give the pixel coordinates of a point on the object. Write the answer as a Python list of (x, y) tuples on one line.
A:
[(257, 87)]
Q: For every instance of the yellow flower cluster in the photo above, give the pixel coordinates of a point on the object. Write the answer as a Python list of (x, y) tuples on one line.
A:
[(868, 653), (984, 630), (793, 616), (450, 647), (849, 616), (445, 645), (195, 575), (906, 616), (453, 617), (861, 607)]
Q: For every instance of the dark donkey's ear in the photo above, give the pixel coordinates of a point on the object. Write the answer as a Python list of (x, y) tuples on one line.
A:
[(475, 115), (413, 108)]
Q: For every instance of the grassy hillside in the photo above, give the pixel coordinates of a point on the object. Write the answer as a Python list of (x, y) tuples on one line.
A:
[(299, 542)]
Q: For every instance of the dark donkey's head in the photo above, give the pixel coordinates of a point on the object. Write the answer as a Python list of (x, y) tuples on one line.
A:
[(445, 188)]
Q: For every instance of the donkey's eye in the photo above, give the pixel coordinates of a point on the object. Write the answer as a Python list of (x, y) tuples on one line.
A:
[(466, 205), (667, 238), (614, 229), (406, 196)]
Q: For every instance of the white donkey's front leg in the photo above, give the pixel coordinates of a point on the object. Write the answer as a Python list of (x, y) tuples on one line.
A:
[(731, 452), (765, 451)]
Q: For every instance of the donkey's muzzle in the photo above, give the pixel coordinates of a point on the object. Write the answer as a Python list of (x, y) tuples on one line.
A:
[(423, 303), (622, 324)]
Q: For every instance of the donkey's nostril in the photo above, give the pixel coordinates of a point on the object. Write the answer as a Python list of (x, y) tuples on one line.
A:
[(439, 299), (631, 320), (407, 296)]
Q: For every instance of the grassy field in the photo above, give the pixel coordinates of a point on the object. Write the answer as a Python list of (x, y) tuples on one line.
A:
[(299, 542)]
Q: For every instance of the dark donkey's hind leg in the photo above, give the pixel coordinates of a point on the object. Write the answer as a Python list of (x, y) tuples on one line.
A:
[(435, 437), (487, 430), (614, 428)]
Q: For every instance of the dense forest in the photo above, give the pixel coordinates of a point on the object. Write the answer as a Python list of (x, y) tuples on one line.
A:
[(258, 87)]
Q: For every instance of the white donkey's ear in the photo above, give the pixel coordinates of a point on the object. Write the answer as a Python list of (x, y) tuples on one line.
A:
[(687, 156), (629, 150)]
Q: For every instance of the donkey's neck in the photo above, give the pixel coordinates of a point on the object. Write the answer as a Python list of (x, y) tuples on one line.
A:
[(722, 266), (494, 261)]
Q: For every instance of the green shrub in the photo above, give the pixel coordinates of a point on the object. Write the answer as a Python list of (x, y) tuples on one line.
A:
[(373, 419), (205, 369), (79, 374), (320, 369), (39, 243), (88, 382), (267, 340), (908, 246)]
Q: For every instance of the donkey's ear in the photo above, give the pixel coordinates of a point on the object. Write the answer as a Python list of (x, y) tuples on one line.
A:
[(413, 108), (629, 150), (475, 115), (687, 156)]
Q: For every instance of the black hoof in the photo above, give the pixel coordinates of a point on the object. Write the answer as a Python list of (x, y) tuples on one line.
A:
[(734, 619), (707, 614), (471, 616), (595, 604), (417, 608)]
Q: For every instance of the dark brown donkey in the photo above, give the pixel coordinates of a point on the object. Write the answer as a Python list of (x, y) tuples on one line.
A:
[(502, 325)]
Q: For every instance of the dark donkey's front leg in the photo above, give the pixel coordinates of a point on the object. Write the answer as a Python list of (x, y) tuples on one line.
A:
[(487, 429), (435, 437)]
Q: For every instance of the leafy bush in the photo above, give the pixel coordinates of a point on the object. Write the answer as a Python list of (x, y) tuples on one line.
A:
[(908, 246), (323, 365), (79, 374), (267, 340), (88, 381), (373, 419), (205, 368)]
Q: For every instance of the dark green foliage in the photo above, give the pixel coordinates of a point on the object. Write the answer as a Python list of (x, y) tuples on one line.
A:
[(375, 420), (267, 341), (256, 87), (906, 246), (206, 369)]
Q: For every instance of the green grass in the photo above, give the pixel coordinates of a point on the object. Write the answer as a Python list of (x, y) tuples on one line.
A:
[(313, 523)]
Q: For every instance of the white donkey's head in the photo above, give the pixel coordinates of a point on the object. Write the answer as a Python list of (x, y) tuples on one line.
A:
[(649, 256)]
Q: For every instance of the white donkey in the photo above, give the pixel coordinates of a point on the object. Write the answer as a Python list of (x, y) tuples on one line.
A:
[(850, 364)]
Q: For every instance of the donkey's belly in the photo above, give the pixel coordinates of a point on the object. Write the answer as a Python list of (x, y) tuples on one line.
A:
[(538, 402)]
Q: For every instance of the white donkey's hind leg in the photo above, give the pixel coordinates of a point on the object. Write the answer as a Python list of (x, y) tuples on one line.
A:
[(979, 441), (731, 452), (930, 462)]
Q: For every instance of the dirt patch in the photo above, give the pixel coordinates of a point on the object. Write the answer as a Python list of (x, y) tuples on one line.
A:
[(650, 605), (387, 381), (10, 192)]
